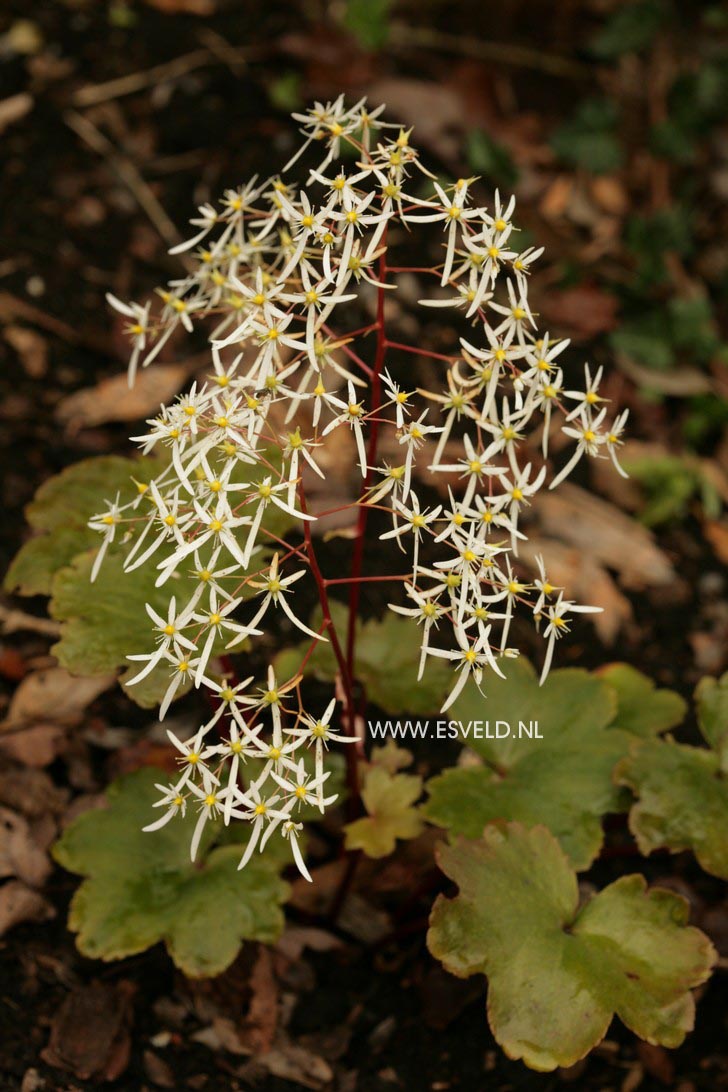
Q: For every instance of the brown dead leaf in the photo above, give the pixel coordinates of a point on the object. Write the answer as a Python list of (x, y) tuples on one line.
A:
[(717, 535), (14, 109), (261, 1021), (657, 1062), (435, 108), (183, 7), (581, 312), (19, 903), (678, 382), (610, 537), (295, 1063), (90, 1032), (19, 854), (54, 696), (556, 199), (31, 347), (113, 400), (296, 938), (583, 578), (37, 745), (609, 193), (31, 792)]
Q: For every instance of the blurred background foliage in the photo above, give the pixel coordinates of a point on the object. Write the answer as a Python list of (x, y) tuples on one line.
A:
[(606, 118)]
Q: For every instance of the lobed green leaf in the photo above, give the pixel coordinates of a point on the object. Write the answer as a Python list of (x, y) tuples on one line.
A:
[(557, 973), (563, 779), (141, 888)]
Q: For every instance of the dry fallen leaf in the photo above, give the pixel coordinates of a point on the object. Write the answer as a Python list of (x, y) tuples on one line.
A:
[(112, 400), (610, 194), (19, 903), (183, 7), (19, 854), (14, 109), (436, 109), (582, 312), (54, 696), (90, 1034), (606, 534), (716, 533), (261, 1020), (31, 347), (31, 792), (295, 1063), (677, 382), (584, 579), (34, 746), (296, 938)]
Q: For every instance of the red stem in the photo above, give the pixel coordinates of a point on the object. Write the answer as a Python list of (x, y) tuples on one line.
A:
[(418, 351), (351, 753), (376, 400)]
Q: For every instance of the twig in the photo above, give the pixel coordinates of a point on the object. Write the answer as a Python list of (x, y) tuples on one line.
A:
[(402, 37), (94, 93), (215, 51), (12, 307), (126, 171), (13, 620)]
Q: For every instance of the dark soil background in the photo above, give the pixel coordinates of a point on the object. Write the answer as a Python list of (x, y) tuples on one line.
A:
[(608, 121)]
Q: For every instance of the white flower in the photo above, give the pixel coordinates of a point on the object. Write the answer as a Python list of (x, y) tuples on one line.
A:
[(352, 414), (471, 657), (589, 441), (415, 522), (169, 636), (276, 588), (558, 624), (319, 732)]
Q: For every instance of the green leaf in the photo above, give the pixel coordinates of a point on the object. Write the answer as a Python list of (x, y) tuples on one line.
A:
[(645, 339), (61, 510), (104, 622), (388, 799), (670, 483), (489, 158), (682, 801), (648, 238), (642, 709), (589, 139), (711, 697), (140, 888), (387, 660), (368, 21), (683, 791), (557, 973), (563, 779), (629, 29)]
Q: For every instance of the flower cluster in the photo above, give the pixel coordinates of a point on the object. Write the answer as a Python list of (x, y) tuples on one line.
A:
[(293, 283)]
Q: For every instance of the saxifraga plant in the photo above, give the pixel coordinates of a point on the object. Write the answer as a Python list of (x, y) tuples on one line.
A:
[(284, 271), (298, 290)]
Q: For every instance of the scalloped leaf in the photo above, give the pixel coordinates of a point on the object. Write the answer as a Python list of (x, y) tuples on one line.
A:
[(558, 973), (682, 791), (103, 622), (140, 889), (642, 709), (563, 780), (682, 801), (389, 800), (711, 696), (387, 661), (61, 510)]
